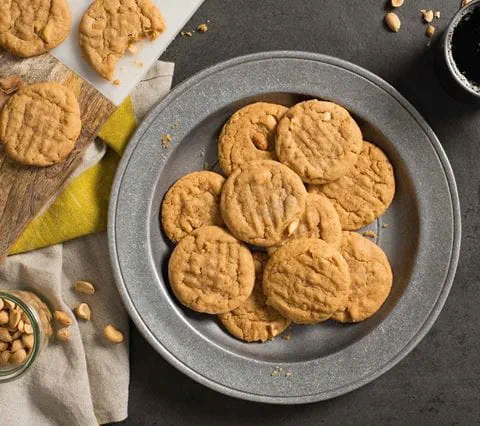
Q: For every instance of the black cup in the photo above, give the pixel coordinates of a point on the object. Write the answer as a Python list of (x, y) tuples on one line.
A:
[(451, 78)]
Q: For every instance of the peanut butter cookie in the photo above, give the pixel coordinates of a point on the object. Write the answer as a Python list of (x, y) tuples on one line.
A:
[(306, 280), (193, 201), (249, 135), (40, 124), (253, 320), (110, 27), (32, 27), (365, 192), (260, 200), (319, 140), (371, 276), (211, 271), (319, 220)]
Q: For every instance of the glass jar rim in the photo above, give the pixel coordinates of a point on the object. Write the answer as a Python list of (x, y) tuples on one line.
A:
[(19, 371)]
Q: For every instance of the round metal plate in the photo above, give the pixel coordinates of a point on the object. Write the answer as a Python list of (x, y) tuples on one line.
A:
[(420, 232)]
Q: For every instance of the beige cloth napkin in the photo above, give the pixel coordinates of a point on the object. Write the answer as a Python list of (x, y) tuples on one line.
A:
[(84, 381)]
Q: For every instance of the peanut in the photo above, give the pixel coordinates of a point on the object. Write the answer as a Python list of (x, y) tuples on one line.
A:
[(83, 312), (5, 357), (3, 346), (5, 335), (16, 334), (327, 116), (1, 304), (428, 16), (84, 287), (293, 227), (62, 318), (397, 3), (17, 345), (465, 2), (28, 328), (393, 21), (28, 341), (18, 357), (260, 141), (4, 317), (21, 326), (9, 304), (64, 334), (15, 316), (112, 334)]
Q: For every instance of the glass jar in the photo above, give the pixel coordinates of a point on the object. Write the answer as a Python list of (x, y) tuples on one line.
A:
[(25, 328)]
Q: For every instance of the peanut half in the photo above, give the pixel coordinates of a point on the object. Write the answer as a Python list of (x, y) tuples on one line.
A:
[(62, 318), (64, 334), (4, 317), (83, 312), (84, 287), (5, 335), (397, 3), (393, 21), (18, 357), (112, 334)]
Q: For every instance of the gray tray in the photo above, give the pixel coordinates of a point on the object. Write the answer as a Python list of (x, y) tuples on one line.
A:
[(422, 239)]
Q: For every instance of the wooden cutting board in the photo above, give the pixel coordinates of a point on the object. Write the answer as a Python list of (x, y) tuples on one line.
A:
[(24, 191)]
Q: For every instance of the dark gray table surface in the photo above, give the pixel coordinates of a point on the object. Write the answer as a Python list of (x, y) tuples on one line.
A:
[(439, 382)]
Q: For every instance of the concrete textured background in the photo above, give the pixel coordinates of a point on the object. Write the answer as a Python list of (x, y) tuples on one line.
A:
[(438, 383)]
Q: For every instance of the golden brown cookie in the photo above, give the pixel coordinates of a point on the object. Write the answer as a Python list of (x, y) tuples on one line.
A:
[(319, 220), (260, 200), (110, 27), (254, 320), (249, 135), (211, 271), (365, 192), (193, 201), (32, 27), (306, 280), (371, 276), (40, 124), (319, 140)]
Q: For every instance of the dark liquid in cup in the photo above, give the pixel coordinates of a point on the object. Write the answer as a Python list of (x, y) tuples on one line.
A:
[(466, 46)]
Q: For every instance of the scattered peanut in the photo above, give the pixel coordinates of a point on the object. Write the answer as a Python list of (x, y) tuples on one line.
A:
[(28, 341), (5, 357), (17, 344), (64, 334), (83, 312), (62, 318), (84, 287), (437, 14), (202, 28), (112, 334), (430, 31), (4, 317), (15, 316), (428, 16), (5, 335), (393, 21), (397, 3), (18, 357), (465, 2)]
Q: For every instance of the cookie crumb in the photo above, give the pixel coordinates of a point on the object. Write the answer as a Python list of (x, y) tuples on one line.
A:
[(117, 82), (206, 166), (437, 14), (186, 33), (385, 225), (166, 139), (139, 63), (133, 48), (288, 373), (286, 337), (327, 116), (430, 31), (370, 234), (202, 28)]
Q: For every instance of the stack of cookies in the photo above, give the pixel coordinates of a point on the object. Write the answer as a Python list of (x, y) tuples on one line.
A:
[(303, 263)]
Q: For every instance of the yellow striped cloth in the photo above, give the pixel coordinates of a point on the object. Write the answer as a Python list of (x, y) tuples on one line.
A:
[(82, 208)]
